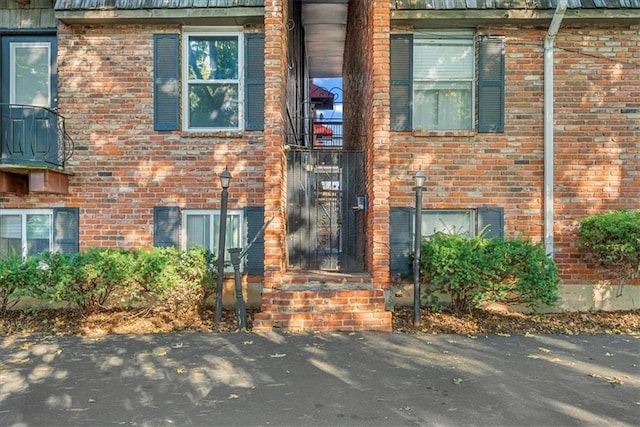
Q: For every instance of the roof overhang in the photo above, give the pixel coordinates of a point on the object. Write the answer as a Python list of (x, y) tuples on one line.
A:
[(477, 17), (237, 16)]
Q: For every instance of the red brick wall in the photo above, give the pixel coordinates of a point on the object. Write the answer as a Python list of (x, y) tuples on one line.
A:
[(276, 42), (122, 167), (597, 144), (366, 117)]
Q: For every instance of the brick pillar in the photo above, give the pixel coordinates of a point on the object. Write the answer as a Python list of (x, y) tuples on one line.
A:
[(276, 35), (378, 147)]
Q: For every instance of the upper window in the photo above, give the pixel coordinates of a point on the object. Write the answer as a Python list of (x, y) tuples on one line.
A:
[(445, 81), (443, 69), (213, 88), (222, 81), (29, 76)]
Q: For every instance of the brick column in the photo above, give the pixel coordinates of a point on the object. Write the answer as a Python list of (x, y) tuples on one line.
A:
[(378, 147), (276, 36)]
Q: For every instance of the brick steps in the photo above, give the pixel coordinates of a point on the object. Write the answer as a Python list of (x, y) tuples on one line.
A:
[(323, 305)]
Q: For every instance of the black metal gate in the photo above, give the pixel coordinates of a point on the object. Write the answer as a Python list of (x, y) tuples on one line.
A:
[(326, 203)]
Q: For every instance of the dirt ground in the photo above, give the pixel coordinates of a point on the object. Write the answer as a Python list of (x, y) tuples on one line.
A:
[(67, 322)]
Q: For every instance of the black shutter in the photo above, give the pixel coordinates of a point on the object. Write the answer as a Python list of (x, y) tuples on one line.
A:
[(166, 226), (66, 230), (254, 216), (254, 89), (166, 74), (491, 222), (491, 84), (400, 240), (401, 81)]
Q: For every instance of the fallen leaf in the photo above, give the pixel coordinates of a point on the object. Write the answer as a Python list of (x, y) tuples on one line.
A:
[(180, 370), (457, 381), (544, 350), (533, 356)]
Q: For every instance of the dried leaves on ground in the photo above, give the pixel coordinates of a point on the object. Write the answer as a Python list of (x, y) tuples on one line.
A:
[(66, 322)]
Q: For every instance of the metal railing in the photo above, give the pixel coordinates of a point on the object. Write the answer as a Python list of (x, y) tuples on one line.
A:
[(314, 133), (327, 133), (33, 136)]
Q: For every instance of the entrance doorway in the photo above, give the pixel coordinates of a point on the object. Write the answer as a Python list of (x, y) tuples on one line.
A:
[(325, 209)]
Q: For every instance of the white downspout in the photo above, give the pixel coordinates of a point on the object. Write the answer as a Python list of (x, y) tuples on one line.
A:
[(548, 125)]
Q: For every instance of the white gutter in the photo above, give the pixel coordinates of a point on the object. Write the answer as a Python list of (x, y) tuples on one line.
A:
[(548, 125)]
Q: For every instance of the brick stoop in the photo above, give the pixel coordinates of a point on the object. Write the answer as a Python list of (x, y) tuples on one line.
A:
[(323, 302)]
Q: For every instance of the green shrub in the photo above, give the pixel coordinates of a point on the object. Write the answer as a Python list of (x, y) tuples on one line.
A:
[(163, 278), (476, 270), (17, 279), (611, 241), (171, 280)]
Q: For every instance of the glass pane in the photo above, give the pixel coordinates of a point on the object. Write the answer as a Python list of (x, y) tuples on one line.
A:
[(10, 234), (38, 234), (449, 222), (213, 106), (213, 58), (443, 106), (443, 59), (30, 74), (198, 231), (232, 236)]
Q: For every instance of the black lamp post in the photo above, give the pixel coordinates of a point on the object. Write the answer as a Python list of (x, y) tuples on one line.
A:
[(241, 313), (417, 242), (225, 179)]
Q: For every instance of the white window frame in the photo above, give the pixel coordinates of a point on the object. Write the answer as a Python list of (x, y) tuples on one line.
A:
[(189, 32), (431, 215), (433, 37), (213, 238), (13, 46), (23, 213)]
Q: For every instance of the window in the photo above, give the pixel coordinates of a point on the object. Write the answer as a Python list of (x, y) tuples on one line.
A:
[(222, 84), (212, 64), (201, 228), (29, 77), (171, 225), (25, 232), (443, 69), (448, 221), (488, 221), (33, 231), (438, 84)]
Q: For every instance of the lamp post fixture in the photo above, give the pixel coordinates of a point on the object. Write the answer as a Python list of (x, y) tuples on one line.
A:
[(417, 242), (241, 313), (225, 179)]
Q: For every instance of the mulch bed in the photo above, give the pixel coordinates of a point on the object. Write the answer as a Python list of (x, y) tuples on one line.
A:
[(71, 322)]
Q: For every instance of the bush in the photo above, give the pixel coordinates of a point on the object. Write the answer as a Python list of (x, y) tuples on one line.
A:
[(476, 270), (172, 280), (611, 241), (163, 278), (17, 278)]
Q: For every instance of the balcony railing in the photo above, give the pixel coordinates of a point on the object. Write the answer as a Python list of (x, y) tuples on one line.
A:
[(33, 136), (327, 133)]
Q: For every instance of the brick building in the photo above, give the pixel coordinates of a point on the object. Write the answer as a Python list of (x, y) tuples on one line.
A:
[(118, 117)]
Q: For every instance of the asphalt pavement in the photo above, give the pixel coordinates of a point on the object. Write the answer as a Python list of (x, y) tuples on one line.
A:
[(341, 379)]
